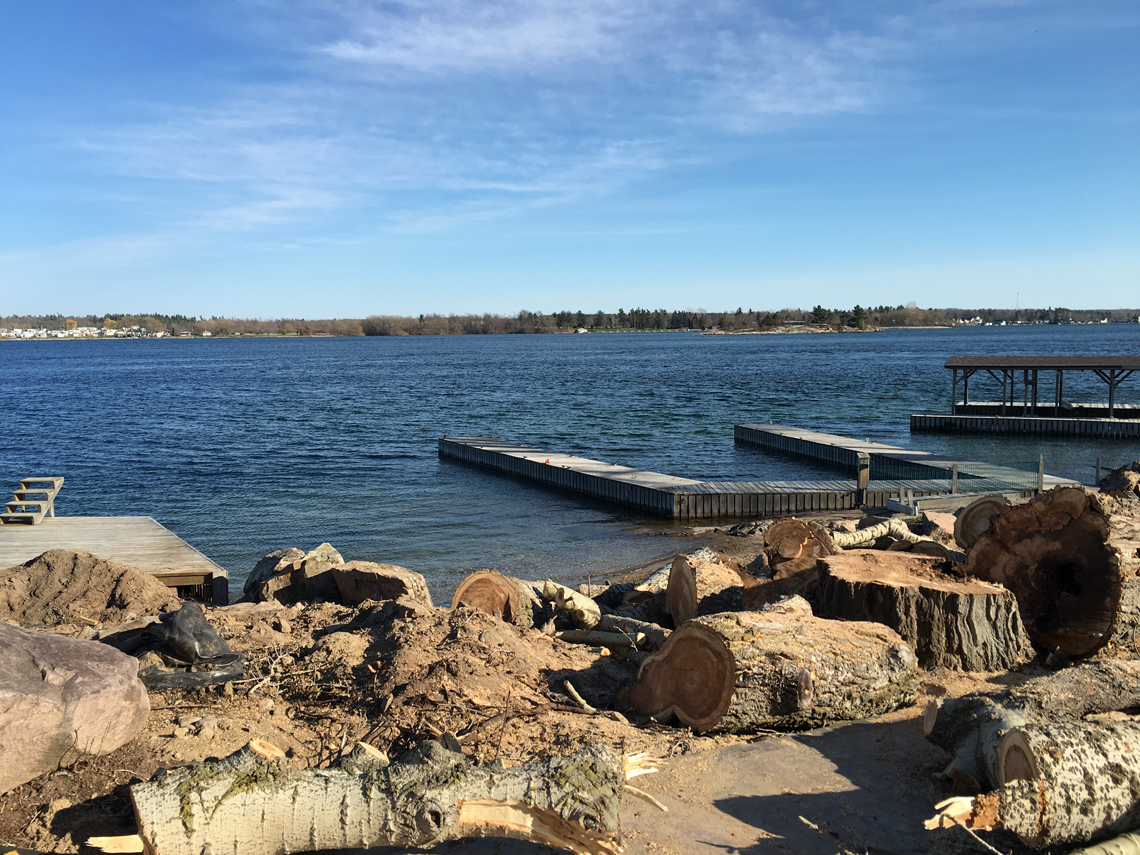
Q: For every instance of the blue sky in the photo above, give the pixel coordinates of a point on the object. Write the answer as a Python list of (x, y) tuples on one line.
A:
[(268, 159)]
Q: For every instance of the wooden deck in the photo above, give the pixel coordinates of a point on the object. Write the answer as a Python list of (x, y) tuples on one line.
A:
[(844, 452), (139, 541), (669, 496)]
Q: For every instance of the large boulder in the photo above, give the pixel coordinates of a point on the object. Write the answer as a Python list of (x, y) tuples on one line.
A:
[(67, 587), (273, 573), (60, 697), (292, 576), (358, 581)]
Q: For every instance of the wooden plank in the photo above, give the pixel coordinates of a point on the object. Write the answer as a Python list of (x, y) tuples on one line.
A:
[(138, 541)]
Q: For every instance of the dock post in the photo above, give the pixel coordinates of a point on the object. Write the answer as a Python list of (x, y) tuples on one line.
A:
[(1040, 474), (954, 479), (863, 475)]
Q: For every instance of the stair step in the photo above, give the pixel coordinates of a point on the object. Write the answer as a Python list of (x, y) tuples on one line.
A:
[(55, 481), (31, 519), (15, 507)]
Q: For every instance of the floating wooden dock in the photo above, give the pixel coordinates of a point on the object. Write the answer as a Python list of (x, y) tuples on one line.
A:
[(138, 541), (672, 497), (841, 451), (1027, 426)]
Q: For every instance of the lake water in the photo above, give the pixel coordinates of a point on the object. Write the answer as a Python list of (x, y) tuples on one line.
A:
[(242, 446)]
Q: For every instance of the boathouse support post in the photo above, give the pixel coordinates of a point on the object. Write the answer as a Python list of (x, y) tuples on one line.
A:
[(954, 479), (1111, 392), (1004, 378), (954, 391)]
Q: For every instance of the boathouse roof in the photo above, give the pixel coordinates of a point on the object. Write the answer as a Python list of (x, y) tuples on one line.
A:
[(1047, 363)]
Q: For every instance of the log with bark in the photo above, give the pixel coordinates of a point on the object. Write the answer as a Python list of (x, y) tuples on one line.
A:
[(1072, 559), (1064, 783), (699, 587), (583, 612), (964, 624), (972, 727), (514, 600), (254, 803), (975, 519), (777, 668)]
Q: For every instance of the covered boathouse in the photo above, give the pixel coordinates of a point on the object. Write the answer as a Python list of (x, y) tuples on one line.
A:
[(1027, 407)]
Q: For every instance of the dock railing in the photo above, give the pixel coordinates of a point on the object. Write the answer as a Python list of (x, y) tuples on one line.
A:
[(973, 477)]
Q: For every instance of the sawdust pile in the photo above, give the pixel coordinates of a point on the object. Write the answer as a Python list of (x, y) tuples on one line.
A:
[(65, 587)]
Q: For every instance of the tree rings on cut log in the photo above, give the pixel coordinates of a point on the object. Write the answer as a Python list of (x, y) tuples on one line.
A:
[(793, 546), (964, 624), (701, 587), (1071, 558), (975, 519), (784, 669), (690, 677), (514, 600)]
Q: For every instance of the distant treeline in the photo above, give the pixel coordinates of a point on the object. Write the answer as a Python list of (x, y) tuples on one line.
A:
[(857, 317)]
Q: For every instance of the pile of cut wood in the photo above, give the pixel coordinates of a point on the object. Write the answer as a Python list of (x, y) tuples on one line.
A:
[(837, 627)]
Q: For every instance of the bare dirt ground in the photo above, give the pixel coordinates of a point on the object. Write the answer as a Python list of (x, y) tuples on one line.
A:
[(322, 677)]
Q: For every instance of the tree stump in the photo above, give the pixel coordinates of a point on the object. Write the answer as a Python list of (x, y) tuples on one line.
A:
[(794, 546), (699, 587), (514, 600), (972, 727), (779, 667), (252, 802), (1067, 783), (1072, 559), (967, 625), (975, 519)]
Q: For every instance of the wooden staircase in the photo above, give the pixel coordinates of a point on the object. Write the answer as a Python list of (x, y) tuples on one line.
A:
[(32, 502)]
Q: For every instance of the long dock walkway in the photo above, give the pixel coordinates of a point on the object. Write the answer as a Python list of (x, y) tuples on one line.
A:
[(672, 497), (138, 541), (844, 452), (1027, 425)]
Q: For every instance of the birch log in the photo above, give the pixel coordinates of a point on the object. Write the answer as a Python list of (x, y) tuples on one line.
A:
[(779, 667), (1072, 559), (252, 802), (1067, 783), (972, 727)]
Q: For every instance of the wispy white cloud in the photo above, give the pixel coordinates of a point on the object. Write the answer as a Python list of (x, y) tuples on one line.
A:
[(418, 114)]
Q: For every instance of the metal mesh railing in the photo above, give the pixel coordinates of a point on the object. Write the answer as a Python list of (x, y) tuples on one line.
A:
[(1017, 476)]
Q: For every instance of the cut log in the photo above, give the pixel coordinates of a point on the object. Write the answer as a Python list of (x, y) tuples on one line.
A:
[(583, 612), (867, 536), (975, 519), (967, 625), (1072, 559), (514, 600), (699, 587), (652, 635), (1083, 786), (779, 668), (972, 727), (252, 802), (793, 546)]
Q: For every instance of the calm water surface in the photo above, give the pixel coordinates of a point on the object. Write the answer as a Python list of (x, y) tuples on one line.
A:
[(242, 446)]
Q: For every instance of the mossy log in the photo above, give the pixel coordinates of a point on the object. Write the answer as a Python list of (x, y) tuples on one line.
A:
[(972, 727), (1065, 783), (514, 600), (964, 624), (252, 802), (779, 668), (1072, 559), (699, 587)]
